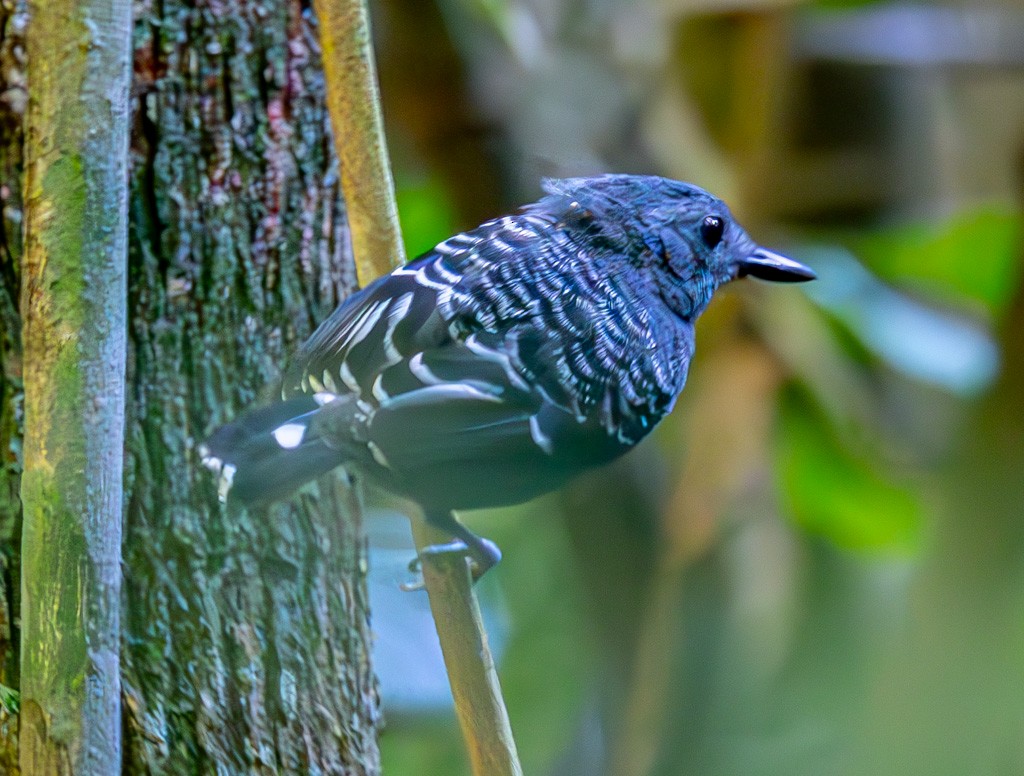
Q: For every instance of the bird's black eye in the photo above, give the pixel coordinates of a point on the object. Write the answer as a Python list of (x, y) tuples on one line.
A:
[(711, 230)]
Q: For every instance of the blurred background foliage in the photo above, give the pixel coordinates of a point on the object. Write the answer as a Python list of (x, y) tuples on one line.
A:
[(817, 564)]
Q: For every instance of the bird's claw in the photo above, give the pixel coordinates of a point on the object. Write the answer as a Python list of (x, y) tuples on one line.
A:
[(481, 559), (486, 555), (413, 585), (416, 564)]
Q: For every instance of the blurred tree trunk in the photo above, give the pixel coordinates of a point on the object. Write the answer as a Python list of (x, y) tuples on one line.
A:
[(246, 641), (428, 100), (12, 104)]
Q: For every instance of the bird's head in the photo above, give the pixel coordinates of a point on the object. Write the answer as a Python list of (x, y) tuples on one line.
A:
[(687, 238)]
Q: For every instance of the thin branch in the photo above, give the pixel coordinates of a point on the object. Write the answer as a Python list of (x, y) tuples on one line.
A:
[(354, 103), (467, 656), (353, 100)]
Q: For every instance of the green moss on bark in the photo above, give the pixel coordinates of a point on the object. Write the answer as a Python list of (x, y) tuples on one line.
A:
[(73, 307)]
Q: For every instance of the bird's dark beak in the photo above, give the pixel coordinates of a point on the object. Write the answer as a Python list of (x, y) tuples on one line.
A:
[(764, 264)]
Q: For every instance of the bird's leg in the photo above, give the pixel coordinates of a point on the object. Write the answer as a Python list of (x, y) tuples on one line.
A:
[(483, 552)]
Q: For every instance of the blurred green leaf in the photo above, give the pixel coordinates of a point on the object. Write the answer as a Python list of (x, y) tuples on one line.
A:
[(941, 347), (10, 699), (496, 11), (428, 745), (838, 492), (426, 213), (971, 257), (547, 662)]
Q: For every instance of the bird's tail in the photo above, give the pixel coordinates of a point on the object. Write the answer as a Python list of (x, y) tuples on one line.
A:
[(266, 454)]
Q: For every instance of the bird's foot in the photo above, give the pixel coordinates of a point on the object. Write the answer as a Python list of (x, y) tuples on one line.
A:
[(483, 555), (416, 564), (414, 584)]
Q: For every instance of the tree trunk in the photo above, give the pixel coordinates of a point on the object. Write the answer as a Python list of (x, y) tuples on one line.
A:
[(74, 270), (245, 635)]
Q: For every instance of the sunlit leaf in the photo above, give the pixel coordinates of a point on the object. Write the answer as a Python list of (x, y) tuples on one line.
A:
[(974, 256), (832, 489)]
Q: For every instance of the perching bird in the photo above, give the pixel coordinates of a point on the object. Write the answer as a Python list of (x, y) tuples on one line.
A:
[(506, 360)]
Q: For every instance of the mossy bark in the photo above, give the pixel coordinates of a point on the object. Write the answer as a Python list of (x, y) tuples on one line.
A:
[(74, 271)]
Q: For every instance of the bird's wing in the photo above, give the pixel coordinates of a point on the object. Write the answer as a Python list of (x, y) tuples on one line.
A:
[(519, 291), (458, 425), (449, 358), (377, 327), (423, 305)]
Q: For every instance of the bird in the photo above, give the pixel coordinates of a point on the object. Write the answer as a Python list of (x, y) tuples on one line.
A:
[(506, 360)]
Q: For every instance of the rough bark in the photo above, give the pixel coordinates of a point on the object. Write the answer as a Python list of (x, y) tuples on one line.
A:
[(246, 639), (74, 270), (246, 635)]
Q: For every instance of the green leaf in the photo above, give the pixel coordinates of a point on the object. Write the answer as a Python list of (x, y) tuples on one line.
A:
[(971, 257), (838, 490), (426, 213), (10, 700)]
